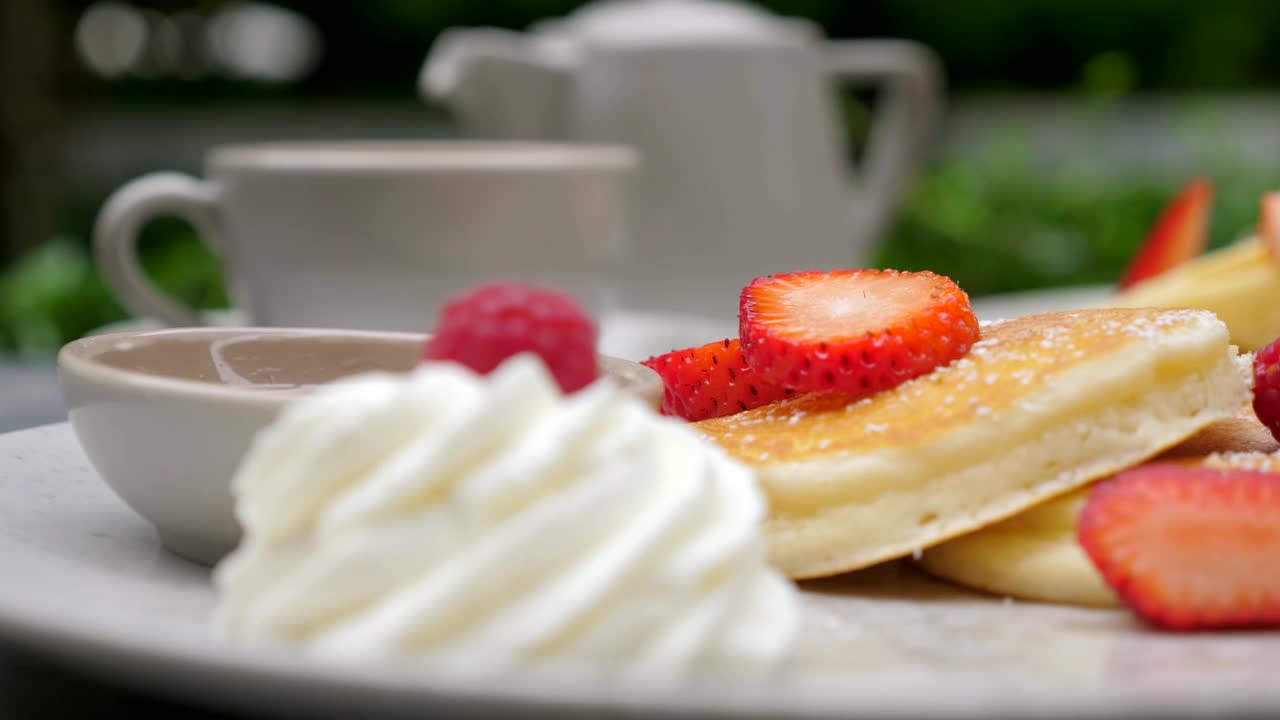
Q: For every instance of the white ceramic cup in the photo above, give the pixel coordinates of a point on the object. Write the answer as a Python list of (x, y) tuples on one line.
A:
[(165, 416), (376, 235)]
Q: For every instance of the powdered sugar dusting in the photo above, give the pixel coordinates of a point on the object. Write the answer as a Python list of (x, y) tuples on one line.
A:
[(1004, 371), (1260, 462)]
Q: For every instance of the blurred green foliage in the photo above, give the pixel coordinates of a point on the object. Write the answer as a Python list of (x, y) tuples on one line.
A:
[(993, 225), (995, 221), (55, 295), (1022, 236)]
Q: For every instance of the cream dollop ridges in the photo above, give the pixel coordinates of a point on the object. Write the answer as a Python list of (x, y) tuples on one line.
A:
[(443, 511)]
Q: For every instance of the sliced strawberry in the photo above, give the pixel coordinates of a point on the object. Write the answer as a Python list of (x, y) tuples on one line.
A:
[(1189, 547), (853, 331), (711, 381), (1180, 233), (1269, 223)]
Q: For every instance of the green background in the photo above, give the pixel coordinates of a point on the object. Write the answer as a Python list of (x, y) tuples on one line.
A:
[(994, 217)]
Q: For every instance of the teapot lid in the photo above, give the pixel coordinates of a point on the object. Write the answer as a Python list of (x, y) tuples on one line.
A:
[(663, 22)]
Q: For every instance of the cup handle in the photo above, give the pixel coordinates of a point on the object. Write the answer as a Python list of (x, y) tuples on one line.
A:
[(907, 114), (115, 238)]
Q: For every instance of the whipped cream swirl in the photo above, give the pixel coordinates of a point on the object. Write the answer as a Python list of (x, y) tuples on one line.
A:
[(446, 512)]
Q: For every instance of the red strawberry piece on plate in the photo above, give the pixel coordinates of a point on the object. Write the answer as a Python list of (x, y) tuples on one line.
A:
[(1180, 233), (1266, 388), (711, 381), (853, 331), (490, 323), (1269, 223), (1189, 547)]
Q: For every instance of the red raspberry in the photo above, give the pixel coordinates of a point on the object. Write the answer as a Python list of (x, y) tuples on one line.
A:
[(490, 323), (1266, 387)]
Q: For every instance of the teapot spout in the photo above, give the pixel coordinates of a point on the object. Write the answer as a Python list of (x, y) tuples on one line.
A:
[(452, 54), (496, 84)]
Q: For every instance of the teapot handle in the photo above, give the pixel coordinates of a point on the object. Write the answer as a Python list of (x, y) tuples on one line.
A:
[(906, 116)]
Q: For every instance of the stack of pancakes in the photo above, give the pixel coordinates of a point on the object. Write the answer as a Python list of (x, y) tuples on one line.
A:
[(978, 467), (1034, 555)]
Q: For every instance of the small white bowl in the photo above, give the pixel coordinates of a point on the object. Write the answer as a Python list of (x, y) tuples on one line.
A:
[(165, 416)]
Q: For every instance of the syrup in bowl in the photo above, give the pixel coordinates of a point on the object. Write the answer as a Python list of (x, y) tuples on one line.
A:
[(165, 416)]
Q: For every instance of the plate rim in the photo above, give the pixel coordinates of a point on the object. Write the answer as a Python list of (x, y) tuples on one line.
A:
[(117, 651)]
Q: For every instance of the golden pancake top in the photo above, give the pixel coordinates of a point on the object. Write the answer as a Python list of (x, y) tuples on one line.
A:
[(1013, 362)]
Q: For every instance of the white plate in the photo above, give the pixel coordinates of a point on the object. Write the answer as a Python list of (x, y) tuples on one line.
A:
[(84, 579)]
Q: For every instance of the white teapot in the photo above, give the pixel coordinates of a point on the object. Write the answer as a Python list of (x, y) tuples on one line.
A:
[(733, 110)]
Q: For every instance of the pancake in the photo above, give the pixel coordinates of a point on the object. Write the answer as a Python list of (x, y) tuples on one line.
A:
[(1035, 556), (1042, 404)]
